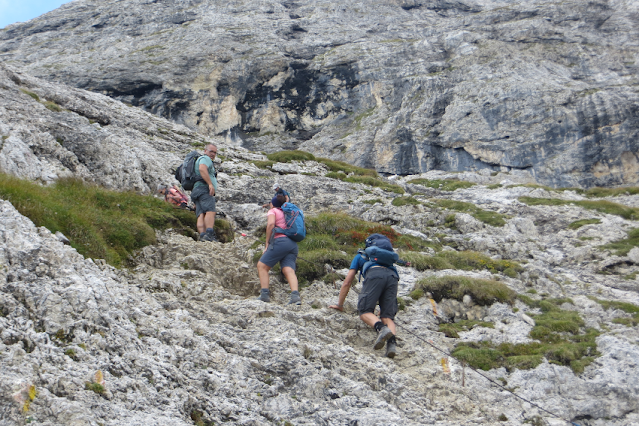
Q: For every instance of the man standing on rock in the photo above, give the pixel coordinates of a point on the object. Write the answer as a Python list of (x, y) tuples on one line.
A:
[(279, 248), (381, 281), (203, 194)]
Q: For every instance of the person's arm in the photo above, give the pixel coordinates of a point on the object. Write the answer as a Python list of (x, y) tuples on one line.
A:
[(270, 224), (204, 172), (343, 292)]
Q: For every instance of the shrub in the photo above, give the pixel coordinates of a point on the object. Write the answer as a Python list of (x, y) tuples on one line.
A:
[(99, 223)]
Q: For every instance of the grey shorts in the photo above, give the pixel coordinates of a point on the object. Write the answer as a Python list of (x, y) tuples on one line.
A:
[(380, 285), (203, 201), (283, 250)]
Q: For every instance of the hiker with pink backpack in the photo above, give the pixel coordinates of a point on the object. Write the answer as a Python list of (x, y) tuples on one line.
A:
[(284, 229)]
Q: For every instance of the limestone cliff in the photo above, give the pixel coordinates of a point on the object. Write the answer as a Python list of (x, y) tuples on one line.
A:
[(179, 339), (548, 88)]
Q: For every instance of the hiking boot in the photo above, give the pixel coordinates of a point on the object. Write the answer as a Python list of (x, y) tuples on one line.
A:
[(295, 298), (264, 295), (205, 237), (211, 234), (391, 348), (383, 335)]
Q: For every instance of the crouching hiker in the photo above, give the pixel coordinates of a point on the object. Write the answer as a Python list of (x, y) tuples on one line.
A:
[(380, 285), (279, 248), (175, 196)]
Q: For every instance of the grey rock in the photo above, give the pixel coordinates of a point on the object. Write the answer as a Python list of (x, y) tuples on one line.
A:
[(539, 89)]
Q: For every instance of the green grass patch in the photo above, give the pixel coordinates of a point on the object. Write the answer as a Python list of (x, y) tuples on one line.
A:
[(263, 164), (405, 201), (579, 223), (611, 192), (562, 339), (622, 306), (337, 169), (95, 387), (334, 239), (374, 201), (463, 260), (495, 186), (622, 247), (340, 166), (52, 106), (99, 223), (488, 217), (33, 95), (602, 206), (483, 292), (453, 330), (442, 184), (289, 156)]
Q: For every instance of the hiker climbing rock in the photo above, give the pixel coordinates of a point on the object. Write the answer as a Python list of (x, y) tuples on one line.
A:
[(380, 285), (279, 248), (203, 194), (174, 196), (279, 190)]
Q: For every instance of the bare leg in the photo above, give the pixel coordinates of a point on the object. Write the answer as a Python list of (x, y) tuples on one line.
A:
[(390, 324), (200, 223), (262, 272), (290, 276), (209, 220)]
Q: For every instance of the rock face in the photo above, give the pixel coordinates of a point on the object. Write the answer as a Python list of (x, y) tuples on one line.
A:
[(547, 88), (180, 339)]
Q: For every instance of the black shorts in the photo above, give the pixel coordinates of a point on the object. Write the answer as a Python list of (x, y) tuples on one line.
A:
[(380, 286), (203, 201)]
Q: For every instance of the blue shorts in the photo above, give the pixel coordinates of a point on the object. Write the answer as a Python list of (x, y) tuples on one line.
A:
[(283, 250), (203, 201), (380, 285)]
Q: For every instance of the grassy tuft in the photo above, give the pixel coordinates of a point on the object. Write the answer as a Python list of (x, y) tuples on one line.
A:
[(488, 217), (561, 339), (626, 307), (404, 201), (100, 223), (464, 260), (345, 168), (453, 330), (579, 223), (95, 387), (602, 206), (622, 247), (33, 95), (288, 156), (483, 292), (443, 184), (263, 164), (52, 106)]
